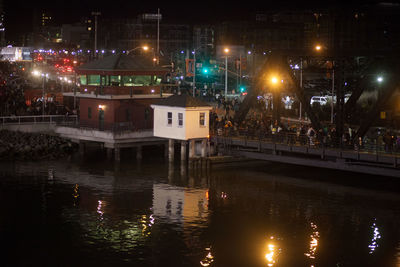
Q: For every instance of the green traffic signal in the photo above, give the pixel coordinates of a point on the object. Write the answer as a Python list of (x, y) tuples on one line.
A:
[(242, 88), (205, 70)]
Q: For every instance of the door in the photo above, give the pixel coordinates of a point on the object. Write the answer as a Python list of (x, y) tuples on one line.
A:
[(101, 119)]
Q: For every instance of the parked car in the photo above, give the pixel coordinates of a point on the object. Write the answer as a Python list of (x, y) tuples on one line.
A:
[(322, 100)]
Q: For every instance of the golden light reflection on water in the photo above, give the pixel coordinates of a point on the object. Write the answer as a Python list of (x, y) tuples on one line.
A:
[(146, 222), (75, 194), (272, 251), (314, 241), (208, 259), (398, 255)]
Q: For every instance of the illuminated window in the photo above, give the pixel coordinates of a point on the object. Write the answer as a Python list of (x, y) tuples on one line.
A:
[(169, 118), (142, 80), (128, 80), (83, 79), (93, 80), (115, 80), (156, 80)]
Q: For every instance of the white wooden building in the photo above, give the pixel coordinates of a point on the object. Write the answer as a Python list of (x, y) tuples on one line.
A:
[(184, 118)]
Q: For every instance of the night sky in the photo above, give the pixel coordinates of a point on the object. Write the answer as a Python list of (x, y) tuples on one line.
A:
[(19, 14)]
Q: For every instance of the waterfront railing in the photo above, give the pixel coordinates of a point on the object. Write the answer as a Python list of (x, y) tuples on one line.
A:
[(370, 145), (39, 119)]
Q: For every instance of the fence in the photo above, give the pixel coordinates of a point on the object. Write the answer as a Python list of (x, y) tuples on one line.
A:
[(374, 145), (41, 119)]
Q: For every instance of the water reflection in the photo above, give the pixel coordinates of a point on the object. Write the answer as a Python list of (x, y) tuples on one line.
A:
[(208, 259), (75, 194), (375, 237), (180, 205), (100, 205), (156, 214), (313, 242), (272, 251)]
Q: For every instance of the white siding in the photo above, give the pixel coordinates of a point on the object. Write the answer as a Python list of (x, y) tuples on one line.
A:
[(191, 122)]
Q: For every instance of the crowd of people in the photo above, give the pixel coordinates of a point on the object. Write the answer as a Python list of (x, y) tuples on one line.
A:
[(13, 98), (259, 124)]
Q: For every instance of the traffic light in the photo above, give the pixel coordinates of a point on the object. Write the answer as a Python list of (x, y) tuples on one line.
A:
[(205, 70), (242, 88)]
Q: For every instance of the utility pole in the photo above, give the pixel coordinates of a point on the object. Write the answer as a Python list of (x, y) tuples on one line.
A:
[(226, 77), (194, 73), (95, 14), (158, 36), (301, 83)]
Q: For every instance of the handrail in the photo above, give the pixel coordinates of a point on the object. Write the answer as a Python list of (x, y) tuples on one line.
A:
[(303, 140), (36, 119)]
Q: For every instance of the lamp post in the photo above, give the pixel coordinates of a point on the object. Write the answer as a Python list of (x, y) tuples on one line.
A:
[(44, 75), (301, 83), (275, 82), (144, 48), (194, 73), (95, 14), (226, 50), (333, 88)]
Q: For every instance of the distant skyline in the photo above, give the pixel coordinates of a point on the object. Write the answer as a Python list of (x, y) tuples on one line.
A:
[(19, 14)]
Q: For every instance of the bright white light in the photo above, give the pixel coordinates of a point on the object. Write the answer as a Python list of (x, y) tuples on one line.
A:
[(379, 79), (36, 73)]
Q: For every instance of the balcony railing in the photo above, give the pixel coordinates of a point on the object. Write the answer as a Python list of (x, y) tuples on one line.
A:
[(41, 119)]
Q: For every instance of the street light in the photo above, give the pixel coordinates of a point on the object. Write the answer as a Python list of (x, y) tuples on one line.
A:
[(226, 50), (379, 79), (144, 48)]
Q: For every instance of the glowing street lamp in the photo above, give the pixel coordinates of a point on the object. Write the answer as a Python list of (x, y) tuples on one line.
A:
[(318, 47), (274, 81), (379, 79), (144, 48)]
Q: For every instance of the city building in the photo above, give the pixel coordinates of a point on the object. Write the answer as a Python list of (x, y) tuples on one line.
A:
[(183, 118), (116, 91), (115, 95)]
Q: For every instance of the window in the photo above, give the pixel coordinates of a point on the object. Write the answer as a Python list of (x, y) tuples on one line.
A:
[(89, 112), (156, 80), (83, 79), (202, 119), (115, 80), (143, 80), (169, 118), (127, 80), (180, 119), (93, 80)]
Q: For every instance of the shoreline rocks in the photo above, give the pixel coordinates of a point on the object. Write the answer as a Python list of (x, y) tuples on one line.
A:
[(33, 146)]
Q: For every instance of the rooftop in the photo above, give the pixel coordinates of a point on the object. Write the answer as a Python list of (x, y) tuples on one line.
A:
[(184, 101), (122, 63)]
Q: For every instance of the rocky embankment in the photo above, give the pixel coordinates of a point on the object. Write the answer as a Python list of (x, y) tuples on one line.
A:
[(33, 146)]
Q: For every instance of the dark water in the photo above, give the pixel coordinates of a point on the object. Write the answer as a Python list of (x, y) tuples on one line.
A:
[(94, 213)]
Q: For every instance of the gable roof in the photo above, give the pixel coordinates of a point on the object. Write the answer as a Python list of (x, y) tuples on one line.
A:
[(184, 101), (121, 62)]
